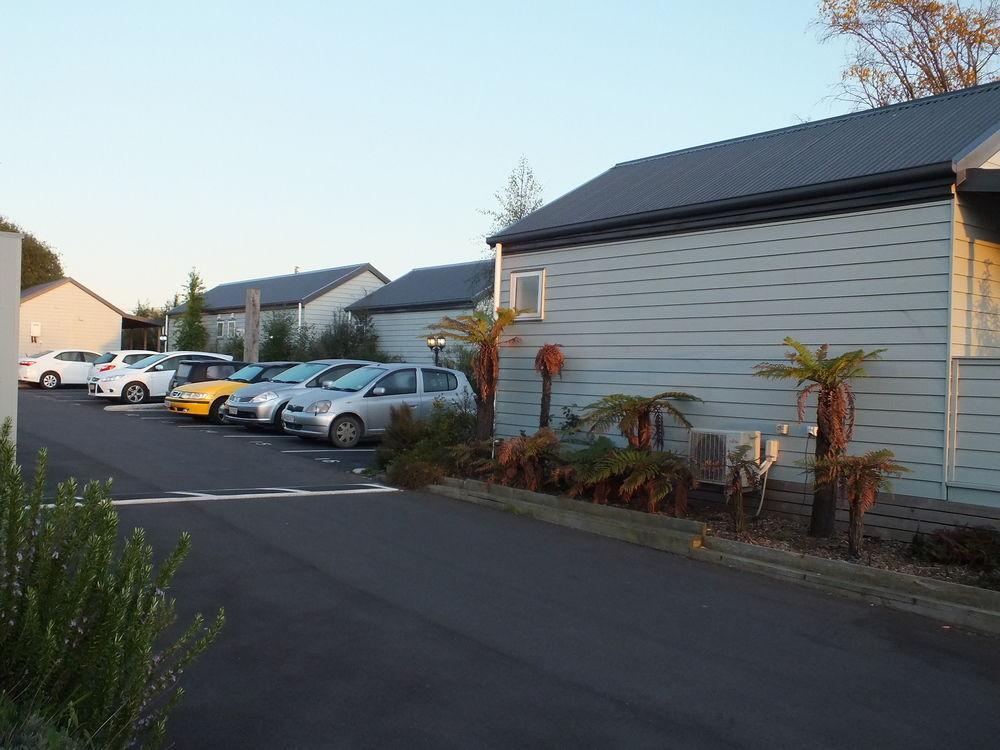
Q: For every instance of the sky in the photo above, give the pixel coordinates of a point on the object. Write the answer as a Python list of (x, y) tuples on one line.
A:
[(247, 138)]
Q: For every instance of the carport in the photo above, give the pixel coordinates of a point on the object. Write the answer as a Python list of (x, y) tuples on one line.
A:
[(141, 333)]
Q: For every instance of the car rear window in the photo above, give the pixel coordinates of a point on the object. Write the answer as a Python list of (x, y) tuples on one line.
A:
[(183, 370), (218, 372), (104, 358)]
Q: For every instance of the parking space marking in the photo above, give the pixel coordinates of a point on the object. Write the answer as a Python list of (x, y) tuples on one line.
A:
[(200, 498), (258, 437), (331, 450)]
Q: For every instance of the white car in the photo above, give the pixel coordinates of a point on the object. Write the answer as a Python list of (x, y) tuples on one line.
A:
[(118, 358), (148, 378), (57, 367)]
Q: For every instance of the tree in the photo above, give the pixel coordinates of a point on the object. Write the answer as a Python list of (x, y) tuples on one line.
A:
[(638, 418), (191, 331), (519, 197), (39, 262), (278, 337), (742, 473), (860, 479), (549, 362), (905, 49), (483, 331), (830, 379)]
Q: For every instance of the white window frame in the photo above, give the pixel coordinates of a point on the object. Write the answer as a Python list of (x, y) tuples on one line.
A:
[(220, 327), (231, 329), (514, 277)]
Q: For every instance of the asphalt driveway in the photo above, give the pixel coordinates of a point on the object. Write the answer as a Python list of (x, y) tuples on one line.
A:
[(402, 619)]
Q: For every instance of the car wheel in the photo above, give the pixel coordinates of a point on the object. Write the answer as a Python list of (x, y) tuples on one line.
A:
[(49, 381), (276, 421), (215, 415), (345, 432), (135, 393)]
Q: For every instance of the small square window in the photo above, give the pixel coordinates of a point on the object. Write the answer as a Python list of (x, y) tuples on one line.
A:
[(527, 294)]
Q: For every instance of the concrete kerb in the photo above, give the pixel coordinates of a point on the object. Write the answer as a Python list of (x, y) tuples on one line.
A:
[(136, 407), (954, 603)]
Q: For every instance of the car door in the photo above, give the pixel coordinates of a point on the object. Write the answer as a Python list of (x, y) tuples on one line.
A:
[(72, 368), (436, 384), (158, 376), (398, 388)]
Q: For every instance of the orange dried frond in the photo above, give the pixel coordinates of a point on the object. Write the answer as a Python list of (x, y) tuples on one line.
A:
[(550, 359)]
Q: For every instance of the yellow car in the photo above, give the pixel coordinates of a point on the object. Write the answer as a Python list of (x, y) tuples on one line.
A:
[(205, 400)]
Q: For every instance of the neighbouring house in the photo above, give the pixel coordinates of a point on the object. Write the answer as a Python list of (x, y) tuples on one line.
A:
[(10, 283), (314, 298), (403, 310), (65, 314), (875, 229)]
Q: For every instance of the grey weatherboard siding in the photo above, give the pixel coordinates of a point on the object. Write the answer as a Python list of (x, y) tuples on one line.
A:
[(696, 311)]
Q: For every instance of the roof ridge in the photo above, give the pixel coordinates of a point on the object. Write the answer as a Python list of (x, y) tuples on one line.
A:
[(810, 124), (287, 275)]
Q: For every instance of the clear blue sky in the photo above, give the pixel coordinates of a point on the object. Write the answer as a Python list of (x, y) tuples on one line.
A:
[(246, 139)]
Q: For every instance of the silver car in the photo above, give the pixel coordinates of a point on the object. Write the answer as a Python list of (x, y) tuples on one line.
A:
[(262, 403), (358, 404)]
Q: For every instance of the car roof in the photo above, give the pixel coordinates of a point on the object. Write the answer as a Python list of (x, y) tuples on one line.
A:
[(339, 362)]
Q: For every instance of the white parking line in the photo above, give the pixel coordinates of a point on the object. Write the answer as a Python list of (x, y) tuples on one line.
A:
[(331, 450), (362, 490), (263, 437)]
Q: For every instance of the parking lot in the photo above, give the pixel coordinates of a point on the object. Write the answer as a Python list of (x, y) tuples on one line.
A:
[(360, 616), (153, 453)]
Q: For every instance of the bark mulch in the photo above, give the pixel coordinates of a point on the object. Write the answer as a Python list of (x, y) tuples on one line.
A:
[(788, 533)]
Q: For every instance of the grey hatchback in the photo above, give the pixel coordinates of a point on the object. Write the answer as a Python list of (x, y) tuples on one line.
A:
[(358, 404), (261, 404)]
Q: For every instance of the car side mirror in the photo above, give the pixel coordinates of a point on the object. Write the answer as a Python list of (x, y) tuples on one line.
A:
[(328, 384), (158, 368), (378, 391)]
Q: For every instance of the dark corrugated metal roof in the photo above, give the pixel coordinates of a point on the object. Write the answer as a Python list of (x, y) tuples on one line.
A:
[(926, 132), (455, 285), (280, 290)]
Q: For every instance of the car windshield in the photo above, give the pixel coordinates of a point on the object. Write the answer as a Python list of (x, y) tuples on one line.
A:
[(152, 359), (104, 358), (300, 373), (247, 374), (354, 381)]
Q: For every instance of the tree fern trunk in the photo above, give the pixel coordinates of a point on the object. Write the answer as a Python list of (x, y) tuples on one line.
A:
[(823, 518), (543, 417), (856, 534), (484, 418)]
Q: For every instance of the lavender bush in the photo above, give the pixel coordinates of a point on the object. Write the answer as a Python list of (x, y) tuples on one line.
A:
[(82, 618)]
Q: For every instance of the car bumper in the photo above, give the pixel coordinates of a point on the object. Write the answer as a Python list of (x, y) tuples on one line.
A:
[(104, 389), (191, 408), (246, 413), (310, 425), (28, 374)]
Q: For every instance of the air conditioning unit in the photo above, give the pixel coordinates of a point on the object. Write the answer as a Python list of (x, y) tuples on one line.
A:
[(708, 452)]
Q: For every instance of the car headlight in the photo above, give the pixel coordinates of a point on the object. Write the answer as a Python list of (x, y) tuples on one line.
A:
[(265, 396), (119, 376), (192, 395), (318, 407)]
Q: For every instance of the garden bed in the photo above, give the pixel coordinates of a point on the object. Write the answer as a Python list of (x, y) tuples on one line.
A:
[(790, 534)]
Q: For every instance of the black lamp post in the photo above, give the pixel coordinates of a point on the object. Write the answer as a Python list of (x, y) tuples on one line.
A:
[(435, 344)]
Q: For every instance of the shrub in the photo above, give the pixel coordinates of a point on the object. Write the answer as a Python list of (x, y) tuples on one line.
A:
[(415, 453), (82, 620), (278, 336), (528, 461), (976, 547), (35, 731), (741, 472), (349, 336), (233, 347)]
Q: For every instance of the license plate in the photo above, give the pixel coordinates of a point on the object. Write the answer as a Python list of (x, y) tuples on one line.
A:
[(233, 410)]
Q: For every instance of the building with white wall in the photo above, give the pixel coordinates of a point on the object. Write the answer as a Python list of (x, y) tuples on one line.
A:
[(314, 298), (403, 311), (10, 284), (877, 229)]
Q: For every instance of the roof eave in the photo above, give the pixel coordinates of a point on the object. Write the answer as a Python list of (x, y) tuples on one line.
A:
[(902, 181)]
